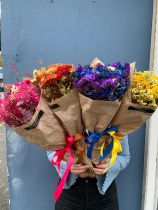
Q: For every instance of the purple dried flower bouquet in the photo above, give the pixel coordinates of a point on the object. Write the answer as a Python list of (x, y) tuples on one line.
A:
[(102, 82), (100, 88)]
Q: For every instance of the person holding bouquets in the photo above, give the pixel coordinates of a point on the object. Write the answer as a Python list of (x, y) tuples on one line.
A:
[(84, 191), (97, 191)]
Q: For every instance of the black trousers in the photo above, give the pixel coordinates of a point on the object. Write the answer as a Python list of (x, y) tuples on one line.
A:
[(84, 195)]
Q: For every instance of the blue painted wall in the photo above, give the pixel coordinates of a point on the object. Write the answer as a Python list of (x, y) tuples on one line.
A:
[(70, 32)]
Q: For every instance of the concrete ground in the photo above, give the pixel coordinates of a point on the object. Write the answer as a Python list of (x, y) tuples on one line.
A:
[(4, 200)]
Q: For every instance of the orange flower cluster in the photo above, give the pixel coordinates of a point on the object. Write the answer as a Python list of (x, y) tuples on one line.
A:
[(54, 81)]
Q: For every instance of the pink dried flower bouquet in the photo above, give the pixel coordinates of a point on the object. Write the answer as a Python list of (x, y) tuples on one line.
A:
[(19, 104), (26, 112)]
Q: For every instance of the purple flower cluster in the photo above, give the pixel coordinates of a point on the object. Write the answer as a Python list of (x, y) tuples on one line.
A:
[(103, 82)]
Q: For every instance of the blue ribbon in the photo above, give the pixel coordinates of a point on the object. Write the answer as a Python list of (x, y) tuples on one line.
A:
[(95, 138), (107, 151)]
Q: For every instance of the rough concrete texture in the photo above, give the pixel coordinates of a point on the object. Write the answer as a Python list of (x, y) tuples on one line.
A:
[(4, 200)]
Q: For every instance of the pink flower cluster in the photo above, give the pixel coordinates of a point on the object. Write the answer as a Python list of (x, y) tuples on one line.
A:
[(19, 104)]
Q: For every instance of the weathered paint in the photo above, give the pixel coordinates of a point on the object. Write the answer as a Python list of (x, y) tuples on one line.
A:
[(71, 32)]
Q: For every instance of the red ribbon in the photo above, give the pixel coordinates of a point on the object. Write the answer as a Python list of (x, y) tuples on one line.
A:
[(60, 155)]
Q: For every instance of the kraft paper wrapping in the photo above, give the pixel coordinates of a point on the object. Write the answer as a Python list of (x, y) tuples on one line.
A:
[(95, 62), (68, 111), (75, 151), (44, 129), (131, 116), (97, 115), (97, 148)]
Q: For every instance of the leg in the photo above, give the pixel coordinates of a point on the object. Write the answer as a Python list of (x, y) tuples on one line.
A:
[(108, 201), (73, 198)]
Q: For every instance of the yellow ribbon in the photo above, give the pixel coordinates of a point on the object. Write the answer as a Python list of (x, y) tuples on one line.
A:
[(115, 150), (102, 149)]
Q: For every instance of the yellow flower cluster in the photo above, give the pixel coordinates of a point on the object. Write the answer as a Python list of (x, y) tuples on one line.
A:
[(145, 88)]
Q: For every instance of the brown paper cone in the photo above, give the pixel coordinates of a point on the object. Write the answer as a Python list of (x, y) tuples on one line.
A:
[(43, 129), (95, 62), (97, 148), (131, 116), (85, 159), (97, 114), (68, 110)]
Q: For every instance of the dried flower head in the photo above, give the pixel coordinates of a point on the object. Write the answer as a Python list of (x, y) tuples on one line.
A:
[(55, 80), (19, 104), (102, 82), (145, 88)]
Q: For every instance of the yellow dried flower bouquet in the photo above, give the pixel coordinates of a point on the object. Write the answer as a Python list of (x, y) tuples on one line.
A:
[(144, 89), (139, 102)]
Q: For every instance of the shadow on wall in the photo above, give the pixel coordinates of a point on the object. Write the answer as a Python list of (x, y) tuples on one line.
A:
[(4, 198)]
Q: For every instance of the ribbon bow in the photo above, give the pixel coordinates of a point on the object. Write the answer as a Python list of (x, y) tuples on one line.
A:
[(60, 155), (115, 146), (95, 138)]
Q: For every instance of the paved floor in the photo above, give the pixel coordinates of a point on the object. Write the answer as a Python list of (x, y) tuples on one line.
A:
[(4, 201)]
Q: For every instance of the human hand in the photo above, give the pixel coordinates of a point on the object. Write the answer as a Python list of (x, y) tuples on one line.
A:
[(78, 168), (100, 168)]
